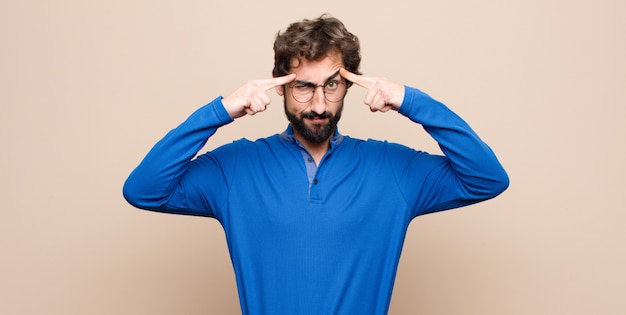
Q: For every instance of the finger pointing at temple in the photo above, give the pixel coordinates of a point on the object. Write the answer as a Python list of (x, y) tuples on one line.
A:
[(382, 94), (251, 98), (276, 81)]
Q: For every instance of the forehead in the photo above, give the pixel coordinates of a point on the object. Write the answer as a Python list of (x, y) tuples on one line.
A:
[(317, 70)]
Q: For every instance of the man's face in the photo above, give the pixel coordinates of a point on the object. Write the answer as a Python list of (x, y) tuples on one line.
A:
[(314, 121)]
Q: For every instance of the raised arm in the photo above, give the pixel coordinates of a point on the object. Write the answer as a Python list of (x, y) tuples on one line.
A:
[(468, 173), (167, 178)]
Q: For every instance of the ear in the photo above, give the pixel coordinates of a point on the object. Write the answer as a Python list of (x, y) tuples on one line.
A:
[(280, 90)]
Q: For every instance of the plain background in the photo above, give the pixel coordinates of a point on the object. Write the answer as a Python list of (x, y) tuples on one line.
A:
[(87, 87)]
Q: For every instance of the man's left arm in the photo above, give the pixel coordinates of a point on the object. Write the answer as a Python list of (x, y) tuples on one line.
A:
[(470, 172)]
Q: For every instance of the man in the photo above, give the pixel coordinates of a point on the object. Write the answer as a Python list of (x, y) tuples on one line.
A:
[(315, 220)]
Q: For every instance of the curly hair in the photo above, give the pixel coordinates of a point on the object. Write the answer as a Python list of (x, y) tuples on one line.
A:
[(314, 40)]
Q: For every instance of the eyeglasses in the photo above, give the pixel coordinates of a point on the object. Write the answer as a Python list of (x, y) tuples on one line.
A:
[(334, 90)]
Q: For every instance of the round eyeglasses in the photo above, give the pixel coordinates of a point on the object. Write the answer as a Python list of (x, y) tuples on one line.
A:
[(334, 90)]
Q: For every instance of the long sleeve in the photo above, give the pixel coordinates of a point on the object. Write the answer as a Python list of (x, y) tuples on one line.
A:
[(470, 172), (157, 182)]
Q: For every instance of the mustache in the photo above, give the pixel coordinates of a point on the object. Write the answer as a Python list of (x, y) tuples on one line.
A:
[(312, 115)]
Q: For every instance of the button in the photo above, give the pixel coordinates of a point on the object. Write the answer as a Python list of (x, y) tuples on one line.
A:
[(315, 182), (310, 160)]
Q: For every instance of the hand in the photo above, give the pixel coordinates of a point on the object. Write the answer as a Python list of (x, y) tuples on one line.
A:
[(382, 94), (251, 97)]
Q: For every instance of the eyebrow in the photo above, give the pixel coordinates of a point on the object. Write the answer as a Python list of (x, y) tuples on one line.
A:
[(311, 83)]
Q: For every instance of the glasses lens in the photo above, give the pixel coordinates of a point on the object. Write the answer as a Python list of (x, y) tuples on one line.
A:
[(302, 92), (334, 91)]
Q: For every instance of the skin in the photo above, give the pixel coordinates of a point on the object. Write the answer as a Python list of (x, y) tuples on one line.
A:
[(251, 98)]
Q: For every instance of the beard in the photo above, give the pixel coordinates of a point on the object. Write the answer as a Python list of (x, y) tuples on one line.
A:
[(318, 133)]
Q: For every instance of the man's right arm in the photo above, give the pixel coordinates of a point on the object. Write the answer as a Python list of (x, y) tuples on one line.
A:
[(157, 182), (168, 180)]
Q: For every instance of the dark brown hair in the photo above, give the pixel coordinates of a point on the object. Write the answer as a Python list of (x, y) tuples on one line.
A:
[(314, 40)]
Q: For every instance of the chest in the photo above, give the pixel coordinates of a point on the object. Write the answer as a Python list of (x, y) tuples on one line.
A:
[(341, 197)]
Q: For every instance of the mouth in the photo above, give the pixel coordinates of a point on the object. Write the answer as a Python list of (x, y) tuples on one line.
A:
[(317, 123), (318, 120)]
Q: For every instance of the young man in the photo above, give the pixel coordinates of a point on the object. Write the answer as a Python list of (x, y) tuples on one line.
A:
[(315, 220)]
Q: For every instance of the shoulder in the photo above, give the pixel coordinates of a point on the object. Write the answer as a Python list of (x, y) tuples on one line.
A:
[(245, 146), (373, 143), (378, 147), (246, 143)]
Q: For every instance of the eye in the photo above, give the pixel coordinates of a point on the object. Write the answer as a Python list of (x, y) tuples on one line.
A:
[(332, 85), (302, 87)]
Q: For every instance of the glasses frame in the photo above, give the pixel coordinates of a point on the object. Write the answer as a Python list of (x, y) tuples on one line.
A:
[(323, 86)]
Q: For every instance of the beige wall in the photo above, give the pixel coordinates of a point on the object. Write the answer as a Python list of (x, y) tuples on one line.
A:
[(88, 86)]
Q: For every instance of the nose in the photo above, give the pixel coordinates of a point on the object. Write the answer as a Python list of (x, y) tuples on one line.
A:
[(318, 103)]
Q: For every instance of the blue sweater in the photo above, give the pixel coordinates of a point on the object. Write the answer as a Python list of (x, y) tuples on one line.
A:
[(329, 248)]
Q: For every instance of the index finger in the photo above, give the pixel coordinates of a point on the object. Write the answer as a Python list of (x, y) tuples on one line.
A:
[(355, 78), (276, 81)]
